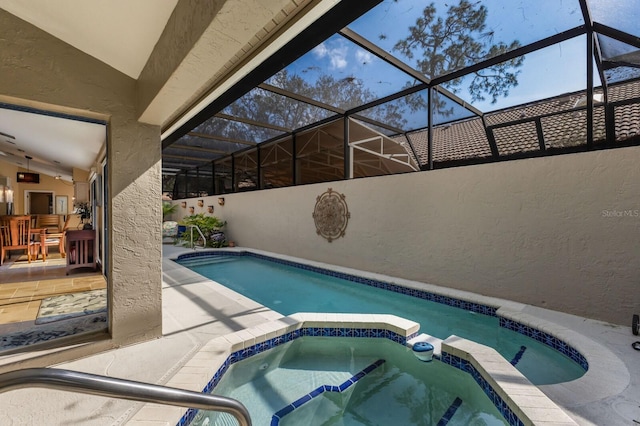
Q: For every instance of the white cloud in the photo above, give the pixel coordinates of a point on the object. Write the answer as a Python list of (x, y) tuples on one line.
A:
[(363, 57), (337, 56), (320, 51)]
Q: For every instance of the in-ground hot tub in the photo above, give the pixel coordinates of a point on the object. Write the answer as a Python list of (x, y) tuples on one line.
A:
[(351, 381)]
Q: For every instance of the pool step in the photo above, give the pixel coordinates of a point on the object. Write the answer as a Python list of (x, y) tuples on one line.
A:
[(207, 260), (446, 418), (277, 417)]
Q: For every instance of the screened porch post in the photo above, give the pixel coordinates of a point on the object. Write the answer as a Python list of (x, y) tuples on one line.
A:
[(233, 173), (430, 124), (348, 151), (294, 159), (259, 171)]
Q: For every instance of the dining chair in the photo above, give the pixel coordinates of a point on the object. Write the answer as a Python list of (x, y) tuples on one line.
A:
[(56, 238), (49, 221), (16, 235)]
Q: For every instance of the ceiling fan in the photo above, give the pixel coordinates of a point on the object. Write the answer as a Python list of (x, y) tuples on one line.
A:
[(58, 176), (7, 135)]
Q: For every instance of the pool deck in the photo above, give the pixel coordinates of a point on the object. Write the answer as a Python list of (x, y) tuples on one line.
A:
[(195, 312)]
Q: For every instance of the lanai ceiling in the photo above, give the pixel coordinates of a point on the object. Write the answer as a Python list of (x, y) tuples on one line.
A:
[(123, 34), (474, 62)]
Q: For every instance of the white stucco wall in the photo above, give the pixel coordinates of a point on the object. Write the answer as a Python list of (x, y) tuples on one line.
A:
[(44, 72), (547, 231)]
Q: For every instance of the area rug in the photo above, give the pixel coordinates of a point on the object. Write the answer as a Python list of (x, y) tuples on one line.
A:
[(51, 331), (72, 305)]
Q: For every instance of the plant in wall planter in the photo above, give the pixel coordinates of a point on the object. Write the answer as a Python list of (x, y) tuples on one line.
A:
[(168, 209), (211, 228)]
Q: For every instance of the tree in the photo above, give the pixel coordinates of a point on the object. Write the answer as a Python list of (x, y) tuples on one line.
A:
[(442, 45), (345, 93)]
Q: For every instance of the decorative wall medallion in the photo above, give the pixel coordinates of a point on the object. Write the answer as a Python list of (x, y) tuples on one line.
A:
[(331, 215)]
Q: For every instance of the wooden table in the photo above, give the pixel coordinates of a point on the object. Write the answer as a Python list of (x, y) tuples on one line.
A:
[(81, 249)]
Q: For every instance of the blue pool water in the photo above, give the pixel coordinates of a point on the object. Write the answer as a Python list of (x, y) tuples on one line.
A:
[(393, 387), (288, 290)]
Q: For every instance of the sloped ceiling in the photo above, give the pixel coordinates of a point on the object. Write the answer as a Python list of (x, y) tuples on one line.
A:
[(120, 33)]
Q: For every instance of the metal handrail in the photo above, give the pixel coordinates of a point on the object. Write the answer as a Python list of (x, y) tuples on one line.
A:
[(204, 240), (93, 384)]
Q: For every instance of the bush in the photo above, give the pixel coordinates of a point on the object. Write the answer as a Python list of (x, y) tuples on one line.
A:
[(210, 226)]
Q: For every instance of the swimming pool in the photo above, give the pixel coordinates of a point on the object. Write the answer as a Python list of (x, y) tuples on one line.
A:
[(349, 381), (289, 288)]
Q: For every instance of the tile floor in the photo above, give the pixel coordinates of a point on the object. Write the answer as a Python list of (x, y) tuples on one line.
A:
[(23, 286)]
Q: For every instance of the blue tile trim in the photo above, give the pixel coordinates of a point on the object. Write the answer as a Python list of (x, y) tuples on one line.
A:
[(536, 334), (451, 411), (236, 356), (495, 398), (420, 294), (546, 338), (275, 419)]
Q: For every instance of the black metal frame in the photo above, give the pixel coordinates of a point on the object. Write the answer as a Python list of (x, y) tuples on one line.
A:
[(338, 17), (335, 21)]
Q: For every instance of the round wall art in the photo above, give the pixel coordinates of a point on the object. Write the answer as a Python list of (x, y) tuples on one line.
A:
[(331, 215)]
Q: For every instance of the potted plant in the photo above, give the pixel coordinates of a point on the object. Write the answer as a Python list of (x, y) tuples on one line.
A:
[(83, 209)]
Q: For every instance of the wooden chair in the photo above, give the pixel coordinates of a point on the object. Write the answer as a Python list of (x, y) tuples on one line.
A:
[(49, 221), (55, 238), (15, 234)]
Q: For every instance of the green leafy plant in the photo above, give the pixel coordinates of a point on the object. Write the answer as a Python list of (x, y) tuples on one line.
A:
[(210, 226), (84, 210), (168, 208)]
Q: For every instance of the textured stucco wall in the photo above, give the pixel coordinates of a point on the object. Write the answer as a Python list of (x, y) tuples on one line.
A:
[(545, 231), (39, 69), (189, 20), (213, 33)]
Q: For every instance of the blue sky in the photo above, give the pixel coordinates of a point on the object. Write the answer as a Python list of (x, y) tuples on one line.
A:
[(619, 14), (552, 71)]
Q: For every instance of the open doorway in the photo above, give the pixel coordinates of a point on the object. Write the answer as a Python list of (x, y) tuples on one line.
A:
[(39, 202), (51, 303)]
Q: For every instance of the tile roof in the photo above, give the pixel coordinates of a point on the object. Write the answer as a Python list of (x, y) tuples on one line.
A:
[(462, 140), (625, 91), (563, 122), (627, 121)]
